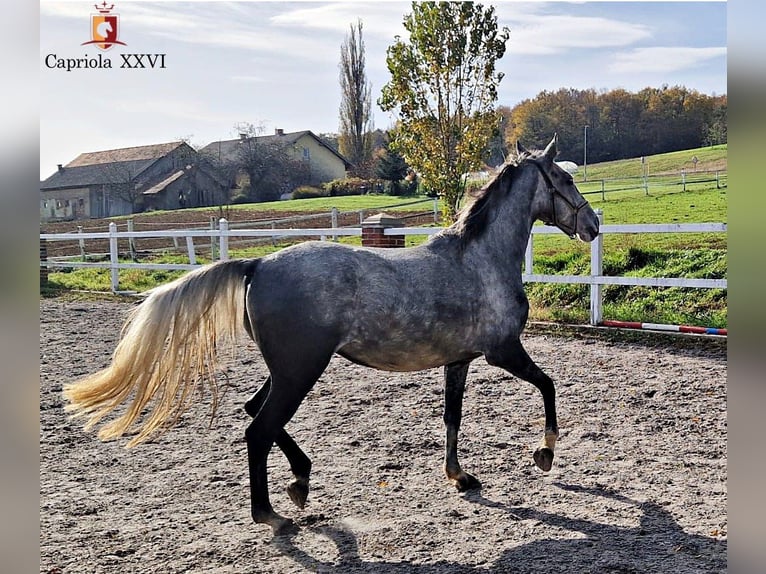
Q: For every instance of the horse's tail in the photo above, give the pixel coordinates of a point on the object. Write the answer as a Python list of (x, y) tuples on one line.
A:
[(167, 351)]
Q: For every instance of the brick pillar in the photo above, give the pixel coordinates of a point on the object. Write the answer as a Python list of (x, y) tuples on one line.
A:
[(373, 231), (43, 258)]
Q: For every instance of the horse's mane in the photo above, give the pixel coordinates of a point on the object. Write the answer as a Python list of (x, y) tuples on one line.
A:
[(474, 217)]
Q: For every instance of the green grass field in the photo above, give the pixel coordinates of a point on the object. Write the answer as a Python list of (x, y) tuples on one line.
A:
[(701, 255)]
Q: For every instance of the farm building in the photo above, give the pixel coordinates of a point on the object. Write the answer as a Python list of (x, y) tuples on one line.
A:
[(129, 180), (316, 160)]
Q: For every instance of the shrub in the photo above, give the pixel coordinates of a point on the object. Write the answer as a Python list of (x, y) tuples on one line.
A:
[(308, 192), (353, 186), (240, 198)]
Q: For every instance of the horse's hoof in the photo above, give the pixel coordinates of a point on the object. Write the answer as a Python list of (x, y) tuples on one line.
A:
[(284, 527), (465, 482), (543, 458), (298, 491), (279, 524)]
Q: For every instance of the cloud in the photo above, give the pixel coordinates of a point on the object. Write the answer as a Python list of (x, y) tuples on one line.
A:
[(338, 16), (663, 59), (553, 34)]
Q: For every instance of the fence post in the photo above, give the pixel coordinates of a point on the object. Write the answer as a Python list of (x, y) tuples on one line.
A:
[(113, 256), (334, 221), (683, 179), (43, 262), (603, 190), (131, 241), (223, 228), (212, 238), (436, 210), (596, 270), (373, 231), (190, 249), (82, 244), (717, 181), (528, 256)]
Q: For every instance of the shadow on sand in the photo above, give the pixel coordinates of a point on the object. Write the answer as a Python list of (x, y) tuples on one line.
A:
[(657, 544)]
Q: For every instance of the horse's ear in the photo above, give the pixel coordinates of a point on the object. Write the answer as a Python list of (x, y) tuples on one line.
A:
[(551, 150), (520, 149)]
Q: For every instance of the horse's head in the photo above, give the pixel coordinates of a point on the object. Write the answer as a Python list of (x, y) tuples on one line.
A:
[(557, 200)]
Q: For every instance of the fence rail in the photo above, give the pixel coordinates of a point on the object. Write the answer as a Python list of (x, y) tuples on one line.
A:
[(682, 180), (596, 279)]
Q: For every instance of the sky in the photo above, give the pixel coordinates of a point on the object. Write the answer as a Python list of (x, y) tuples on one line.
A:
[(275, 64)]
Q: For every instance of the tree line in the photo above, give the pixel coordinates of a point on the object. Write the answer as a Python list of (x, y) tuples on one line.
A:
[(617, 124)]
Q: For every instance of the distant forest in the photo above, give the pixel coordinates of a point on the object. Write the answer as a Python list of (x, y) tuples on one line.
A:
[(620, 124)]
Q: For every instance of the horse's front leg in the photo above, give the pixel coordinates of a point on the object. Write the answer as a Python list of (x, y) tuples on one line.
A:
[(513, 358), (454, 385)]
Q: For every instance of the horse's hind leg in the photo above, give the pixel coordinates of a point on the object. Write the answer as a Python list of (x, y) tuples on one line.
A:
[(513, 358), (454, 385), (300, 464), (291, 380)]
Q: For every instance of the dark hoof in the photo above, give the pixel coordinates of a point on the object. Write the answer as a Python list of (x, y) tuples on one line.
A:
[(279, 524), (466, 482), (284, 527), (543, 458), (298, 491)]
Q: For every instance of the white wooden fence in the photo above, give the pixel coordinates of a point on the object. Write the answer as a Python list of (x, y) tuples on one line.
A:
[(595, 278)]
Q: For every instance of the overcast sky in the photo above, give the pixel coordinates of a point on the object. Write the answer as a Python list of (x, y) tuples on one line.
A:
[(275, 64)]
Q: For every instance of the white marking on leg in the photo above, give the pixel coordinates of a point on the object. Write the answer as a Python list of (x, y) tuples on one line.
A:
[(549, 440)]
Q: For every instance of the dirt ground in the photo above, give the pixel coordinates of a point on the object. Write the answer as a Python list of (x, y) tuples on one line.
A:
[(638, 483)]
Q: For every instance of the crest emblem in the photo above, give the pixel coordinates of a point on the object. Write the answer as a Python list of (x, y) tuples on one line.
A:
[(104, 27)]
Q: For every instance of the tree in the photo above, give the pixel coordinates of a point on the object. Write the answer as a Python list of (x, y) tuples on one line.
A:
[(355, 138), (392, 168), (716, 132), (497, 148), (444, 85), (120, 182), (269, 168)]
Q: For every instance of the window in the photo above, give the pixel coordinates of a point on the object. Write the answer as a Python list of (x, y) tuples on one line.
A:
[(306, 154)]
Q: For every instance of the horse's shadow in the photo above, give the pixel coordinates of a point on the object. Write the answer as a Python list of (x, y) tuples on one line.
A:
[(657, 544)]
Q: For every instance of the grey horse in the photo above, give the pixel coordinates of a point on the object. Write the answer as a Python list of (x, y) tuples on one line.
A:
[(446, 302)]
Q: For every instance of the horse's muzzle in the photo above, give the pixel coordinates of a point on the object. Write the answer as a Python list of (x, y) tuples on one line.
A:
[(587, 225)]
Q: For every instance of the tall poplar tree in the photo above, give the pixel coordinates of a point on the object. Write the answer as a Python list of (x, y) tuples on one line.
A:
[(443, 86), (355, 138)]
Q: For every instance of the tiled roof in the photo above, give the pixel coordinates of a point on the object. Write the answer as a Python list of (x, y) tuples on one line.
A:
[(136, 153), (96, 174)]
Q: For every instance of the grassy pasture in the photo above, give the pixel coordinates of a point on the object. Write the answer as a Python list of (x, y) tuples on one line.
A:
[(701, 255)]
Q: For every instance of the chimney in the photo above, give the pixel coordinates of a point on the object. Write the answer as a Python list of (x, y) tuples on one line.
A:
[(242, 136), (279, 132), (60, 167)]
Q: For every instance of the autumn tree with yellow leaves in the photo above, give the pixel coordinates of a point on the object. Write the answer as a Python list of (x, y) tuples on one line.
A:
[(443, 87)]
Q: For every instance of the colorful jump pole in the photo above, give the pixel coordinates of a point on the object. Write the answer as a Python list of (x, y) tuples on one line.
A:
[(660, 327)]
